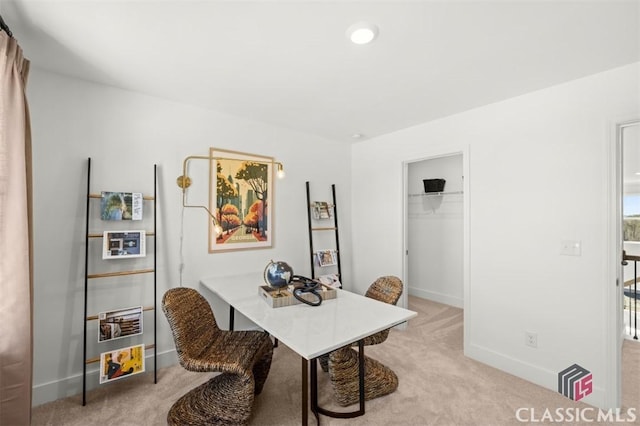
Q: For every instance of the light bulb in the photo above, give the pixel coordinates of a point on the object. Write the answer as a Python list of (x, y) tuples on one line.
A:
[(362, 33)]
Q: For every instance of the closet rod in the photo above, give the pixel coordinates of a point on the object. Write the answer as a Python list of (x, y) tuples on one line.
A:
[(4, 27)]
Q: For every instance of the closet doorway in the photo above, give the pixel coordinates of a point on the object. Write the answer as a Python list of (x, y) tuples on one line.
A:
[(435, 231), (621, 306)]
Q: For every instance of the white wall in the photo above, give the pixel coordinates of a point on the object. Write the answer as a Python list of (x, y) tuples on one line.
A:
[(435, 231), (125, 133), (538, 174)]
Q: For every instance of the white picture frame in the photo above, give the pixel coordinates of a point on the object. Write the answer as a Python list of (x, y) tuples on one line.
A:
[(123, 244)]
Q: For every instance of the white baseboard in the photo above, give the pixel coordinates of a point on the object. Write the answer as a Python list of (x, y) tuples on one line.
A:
[(437, 297), (532, 373), (70, 386)]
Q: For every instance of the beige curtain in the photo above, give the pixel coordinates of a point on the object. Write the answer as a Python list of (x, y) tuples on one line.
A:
[(16, 267)]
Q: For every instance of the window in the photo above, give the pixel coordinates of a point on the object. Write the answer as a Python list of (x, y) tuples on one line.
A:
[(631, 217)]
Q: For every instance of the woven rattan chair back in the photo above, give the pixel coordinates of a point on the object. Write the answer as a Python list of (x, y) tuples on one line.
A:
[(242, 357), (192, 322), (387, 289)]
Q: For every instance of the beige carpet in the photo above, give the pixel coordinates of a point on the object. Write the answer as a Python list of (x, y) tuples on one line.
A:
[(438, 386)]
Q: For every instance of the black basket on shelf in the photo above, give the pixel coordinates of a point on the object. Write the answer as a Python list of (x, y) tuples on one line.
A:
[(433, 185)]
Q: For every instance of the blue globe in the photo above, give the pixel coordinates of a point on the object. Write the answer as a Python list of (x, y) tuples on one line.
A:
[(278, 274)]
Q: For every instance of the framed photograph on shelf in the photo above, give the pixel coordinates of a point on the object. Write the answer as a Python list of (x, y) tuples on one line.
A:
[(120, 323), (326, 257), (332, 280), (321, 210), (121, 206), (121, 363), (123, 244), (241, 197)]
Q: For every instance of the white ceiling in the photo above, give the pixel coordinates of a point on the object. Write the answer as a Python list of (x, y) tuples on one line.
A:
[(289, 62)]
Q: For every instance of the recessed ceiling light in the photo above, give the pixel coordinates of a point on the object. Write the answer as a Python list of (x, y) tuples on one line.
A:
[(356, 135), (362, 33)]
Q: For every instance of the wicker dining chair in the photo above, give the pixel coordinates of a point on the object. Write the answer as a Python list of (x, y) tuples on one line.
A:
[(379, 380), (386, 289), (342, 363), (242, 357)]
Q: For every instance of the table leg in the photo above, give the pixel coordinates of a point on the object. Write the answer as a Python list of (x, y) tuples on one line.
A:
[(232, 312), (361, 373), (305, 391), (313, 373)]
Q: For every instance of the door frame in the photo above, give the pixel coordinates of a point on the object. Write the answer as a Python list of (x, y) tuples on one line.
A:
[(615, 273), (433, 153)]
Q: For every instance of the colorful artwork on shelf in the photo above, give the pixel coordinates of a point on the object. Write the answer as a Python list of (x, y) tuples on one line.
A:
[(121, 363), (123, 244), (321, 210), (326, 257), (331, 280), (120, 323), (121, 206)]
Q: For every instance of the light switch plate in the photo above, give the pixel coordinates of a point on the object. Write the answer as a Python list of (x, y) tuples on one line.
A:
[(570, 248)]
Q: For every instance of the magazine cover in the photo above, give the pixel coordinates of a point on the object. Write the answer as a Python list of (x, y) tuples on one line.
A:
[(121, 206), (321, 210), (331, 280), (121, 244), (121, 323), (326, 257), (121, 363)]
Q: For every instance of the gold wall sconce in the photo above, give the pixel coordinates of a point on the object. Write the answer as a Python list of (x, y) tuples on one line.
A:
[(184, 182)]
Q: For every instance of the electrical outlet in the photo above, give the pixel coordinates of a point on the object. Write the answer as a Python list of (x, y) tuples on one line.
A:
[(531, 339)]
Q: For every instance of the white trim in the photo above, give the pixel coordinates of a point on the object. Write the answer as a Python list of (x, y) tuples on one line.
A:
[(530, 372), (614, 332), (466, 236), (405, 230), (72, 385), (457, 302), (440, 152)]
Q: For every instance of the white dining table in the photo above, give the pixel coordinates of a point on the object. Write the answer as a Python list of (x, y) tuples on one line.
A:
[(310, 331)]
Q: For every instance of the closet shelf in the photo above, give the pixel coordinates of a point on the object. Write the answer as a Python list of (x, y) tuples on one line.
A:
[(435, 194)]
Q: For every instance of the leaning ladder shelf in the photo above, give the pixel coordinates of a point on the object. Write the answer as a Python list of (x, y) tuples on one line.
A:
[(87, 276), (334, 228)]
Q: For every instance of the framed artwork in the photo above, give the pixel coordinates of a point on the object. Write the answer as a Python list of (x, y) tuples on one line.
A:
[(120, 323), (121, 363), (121, 206), (123, 244), (241, 197), (326, 258)]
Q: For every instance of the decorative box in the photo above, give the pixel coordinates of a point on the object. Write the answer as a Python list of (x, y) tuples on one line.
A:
[(284, 297)]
